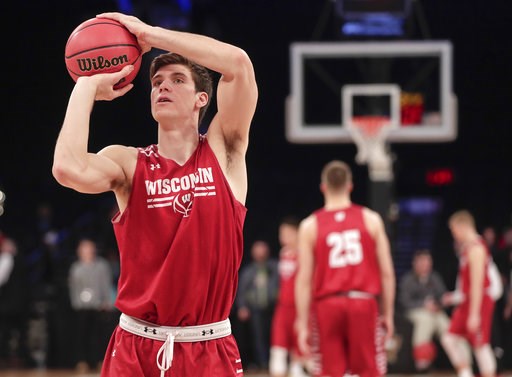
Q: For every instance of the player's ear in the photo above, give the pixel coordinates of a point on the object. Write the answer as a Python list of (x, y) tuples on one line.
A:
[(322, 187), (202, 99)]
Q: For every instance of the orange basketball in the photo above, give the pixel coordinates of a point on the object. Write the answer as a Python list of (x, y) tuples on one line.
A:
[(102, 45)]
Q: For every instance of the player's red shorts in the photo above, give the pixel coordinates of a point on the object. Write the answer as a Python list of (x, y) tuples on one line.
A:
[(283, 328), (460, 317), (130, 355), (350, 338)]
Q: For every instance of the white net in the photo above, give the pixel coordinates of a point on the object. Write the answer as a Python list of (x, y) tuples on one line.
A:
[(370, 134)]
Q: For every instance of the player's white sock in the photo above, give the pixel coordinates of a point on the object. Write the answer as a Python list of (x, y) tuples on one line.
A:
[(465, 372), (297, 369), (278, 361)]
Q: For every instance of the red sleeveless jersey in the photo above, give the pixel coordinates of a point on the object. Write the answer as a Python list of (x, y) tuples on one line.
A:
[(288, 264), (464, 273), (345, 254), (180, 240)]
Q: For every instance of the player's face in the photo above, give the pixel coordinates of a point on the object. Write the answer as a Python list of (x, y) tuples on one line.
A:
[(173, 94), (287, 235), (457, 231)]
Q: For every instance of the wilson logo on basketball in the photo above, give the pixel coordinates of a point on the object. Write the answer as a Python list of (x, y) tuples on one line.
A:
[(94, 64)]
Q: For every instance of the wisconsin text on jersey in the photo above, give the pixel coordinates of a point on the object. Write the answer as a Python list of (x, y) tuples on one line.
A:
[(182, 190)]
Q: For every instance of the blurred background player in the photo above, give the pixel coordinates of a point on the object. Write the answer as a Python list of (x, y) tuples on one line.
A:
[(285, 357), (421, 290), (345, 267), (471, 319)]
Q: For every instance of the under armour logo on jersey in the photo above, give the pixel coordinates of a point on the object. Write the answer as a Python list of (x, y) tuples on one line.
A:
[(154, 166), (339, 216), (207, 332), (147, 329), (183, 204)]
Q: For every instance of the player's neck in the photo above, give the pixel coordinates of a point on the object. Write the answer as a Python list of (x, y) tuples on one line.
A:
[(470, 237), (178, 144), (336, 202)]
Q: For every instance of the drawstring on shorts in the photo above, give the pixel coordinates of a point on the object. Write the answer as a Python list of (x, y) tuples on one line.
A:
[(166, 353)]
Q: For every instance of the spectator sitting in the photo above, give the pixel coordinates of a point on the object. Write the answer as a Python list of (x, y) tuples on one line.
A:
[(420, 293)]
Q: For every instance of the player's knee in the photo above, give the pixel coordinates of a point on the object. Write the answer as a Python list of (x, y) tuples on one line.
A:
[(278, 361), (448, 340)]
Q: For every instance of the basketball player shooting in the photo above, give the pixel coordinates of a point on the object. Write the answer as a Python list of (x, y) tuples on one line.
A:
[(345, 271), (181, 203)]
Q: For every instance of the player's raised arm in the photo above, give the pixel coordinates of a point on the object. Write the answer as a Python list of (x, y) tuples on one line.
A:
[(73, 165), (237, 91)]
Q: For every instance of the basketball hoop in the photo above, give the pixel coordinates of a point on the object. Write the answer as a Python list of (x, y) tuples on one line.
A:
[(369, 133)]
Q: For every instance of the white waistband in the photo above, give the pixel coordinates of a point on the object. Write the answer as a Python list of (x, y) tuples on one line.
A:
[(182, 334), (169, 335), (360, 294)]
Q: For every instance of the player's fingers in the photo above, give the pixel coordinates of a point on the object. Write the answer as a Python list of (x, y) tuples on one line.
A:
[(112, 15), (122, 91), (303, 344), (123, 72)]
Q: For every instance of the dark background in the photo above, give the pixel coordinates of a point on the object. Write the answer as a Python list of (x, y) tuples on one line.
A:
[(283, 177)]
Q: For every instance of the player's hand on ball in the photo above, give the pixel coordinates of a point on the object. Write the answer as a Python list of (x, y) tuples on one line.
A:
[(104, 84), (134, 25)]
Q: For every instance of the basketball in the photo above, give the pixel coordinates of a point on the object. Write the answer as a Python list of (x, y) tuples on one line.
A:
[(102, 45)]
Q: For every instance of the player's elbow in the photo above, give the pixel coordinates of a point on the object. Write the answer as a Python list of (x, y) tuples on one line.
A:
[(64, 173), (61, 173), (241, 66)]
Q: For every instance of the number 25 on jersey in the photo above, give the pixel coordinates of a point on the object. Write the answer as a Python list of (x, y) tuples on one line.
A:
[(345, 248)]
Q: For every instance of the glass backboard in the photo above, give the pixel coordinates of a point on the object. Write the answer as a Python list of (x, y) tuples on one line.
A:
[(323, 73)]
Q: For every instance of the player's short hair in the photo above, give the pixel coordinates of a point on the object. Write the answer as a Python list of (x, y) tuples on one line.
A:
[(290, 220), (336, 175), (201, 76), (462, 217)]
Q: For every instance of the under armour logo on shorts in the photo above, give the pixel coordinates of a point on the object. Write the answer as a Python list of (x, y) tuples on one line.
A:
[(147, 329)]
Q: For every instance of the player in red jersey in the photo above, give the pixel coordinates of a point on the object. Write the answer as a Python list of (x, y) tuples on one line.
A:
[(345, 271), (181, 204), (283, 343), (472, 318)]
